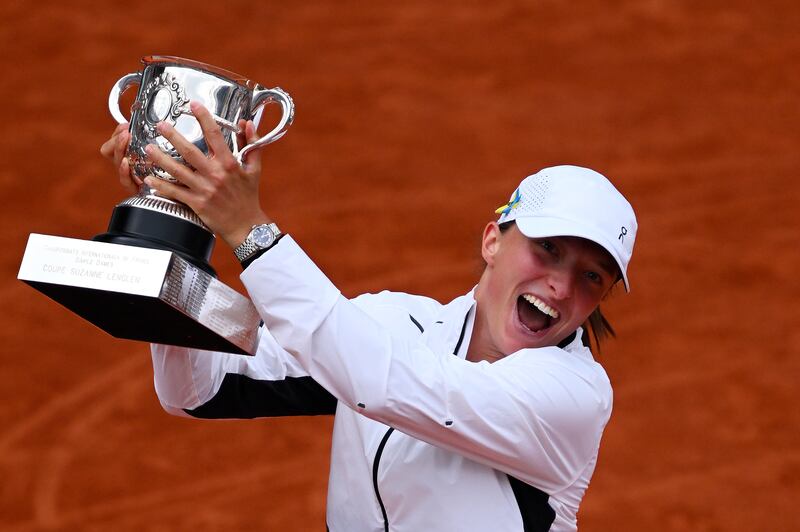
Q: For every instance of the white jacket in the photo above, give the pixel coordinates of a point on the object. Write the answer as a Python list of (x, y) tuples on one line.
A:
[(423, 439)]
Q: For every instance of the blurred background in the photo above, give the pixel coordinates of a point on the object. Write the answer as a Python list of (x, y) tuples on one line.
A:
[(415, 120)]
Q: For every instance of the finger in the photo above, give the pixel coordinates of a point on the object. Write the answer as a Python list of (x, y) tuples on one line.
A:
[(252, 159), (212, 132), (128, 182), (169, 190), (121, 148), (250, 131), (107, 148), (137, 181), (122, 128), (241, 137), (173, 167), (190, 153)]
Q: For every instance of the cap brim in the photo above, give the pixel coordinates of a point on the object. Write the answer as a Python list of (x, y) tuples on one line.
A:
[(549, 226)]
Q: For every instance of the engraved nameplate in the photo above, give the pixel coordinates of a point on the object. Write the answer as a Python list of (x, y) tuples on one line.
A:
[(98, 265)]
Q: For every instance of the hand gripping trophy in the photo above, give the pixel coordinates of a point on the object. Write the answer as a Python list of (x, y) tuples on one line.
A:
[(148, 277)]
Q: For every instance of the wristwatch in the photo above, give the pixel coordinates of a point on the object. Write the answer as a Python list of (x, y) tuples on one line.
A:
[(261, 236)]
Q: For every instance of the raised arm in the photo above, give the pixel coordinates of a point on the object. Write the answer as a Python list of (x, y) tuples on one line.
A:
[(190, 382), (195, 383)]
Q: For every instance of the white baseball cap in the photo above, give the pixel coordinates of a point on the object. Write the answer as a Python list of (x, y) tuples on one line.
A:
[(574, 201)]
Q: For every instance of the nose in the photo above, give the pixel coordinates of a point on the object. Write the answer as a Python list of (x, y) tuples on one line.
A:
[(561, 283)]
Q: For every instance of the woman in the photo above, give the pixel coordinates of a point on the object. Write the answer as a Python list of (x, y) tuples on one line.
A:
[(482, 414)]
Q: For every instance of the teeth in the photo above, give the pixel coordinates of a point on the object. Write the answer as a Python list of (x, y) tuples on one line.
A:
[(541, 305)]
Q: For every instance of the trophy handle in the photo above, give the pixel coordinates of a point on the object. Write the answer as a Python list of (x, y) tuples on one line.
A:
[(262, 97), (134, 78)]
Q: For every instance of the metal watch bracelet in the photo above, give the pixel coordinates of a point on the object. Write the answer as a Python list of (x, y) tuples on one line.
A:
[(250, 245)]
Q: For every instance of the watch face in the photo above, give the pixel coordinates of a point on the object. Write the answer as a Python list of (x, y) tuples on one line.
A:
[(263, 236)]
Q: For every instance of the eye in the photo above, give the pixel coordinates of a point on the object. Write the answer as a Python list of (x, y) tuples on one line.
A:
[(548, 246), (594, 277)]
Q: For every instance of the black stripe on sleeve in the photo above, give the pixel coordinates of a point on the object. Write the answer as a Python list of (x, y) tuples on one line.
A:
[(537, 514), (242, 397)]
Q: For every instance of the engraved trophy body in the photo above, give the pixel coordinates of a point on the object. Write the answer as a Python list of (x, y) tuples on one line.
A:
[(148, 277)]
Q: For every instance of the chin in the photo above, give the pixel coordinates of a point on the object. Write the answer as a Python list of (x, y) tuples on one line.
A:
[(528, 341)]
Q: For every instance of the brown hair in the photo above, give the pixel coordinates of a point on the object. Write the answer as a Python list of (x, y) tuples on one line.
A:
[(597, 325)]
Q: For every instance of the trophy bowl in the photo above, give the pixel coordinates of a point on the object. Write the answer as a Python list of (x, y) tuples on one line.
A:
[(166, 86)]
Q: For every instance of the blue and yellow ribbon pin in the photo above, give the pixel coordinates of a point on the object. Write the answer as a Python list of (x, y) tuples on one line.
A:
[(505, 209)]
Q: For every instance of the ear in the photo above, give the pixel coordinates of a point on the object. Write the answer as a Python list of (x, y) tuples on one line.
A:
[(490, 244)]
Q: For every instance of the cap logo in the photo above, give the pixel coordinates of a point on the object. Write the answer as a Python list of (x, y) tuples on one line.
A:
[(622, 232), (515, 199)]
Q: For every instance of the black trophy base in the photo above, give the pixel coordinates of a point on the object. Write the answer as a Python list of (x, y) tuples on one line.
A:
[(121, 315), (136, 226), (137, 293)]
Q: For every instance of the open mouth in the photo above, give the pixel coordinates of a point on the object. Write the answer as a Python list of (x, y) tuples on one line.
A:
[(534, 314)]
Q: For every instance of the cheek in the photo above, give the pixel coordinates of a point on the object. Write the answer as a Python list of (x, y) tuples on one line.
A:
[(495, 289), (500, 288), (585, 303)]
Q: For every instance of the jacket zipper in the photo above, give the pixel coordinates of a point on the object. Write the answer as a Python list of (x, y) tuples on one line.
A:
[(375, 465), (382, 445)]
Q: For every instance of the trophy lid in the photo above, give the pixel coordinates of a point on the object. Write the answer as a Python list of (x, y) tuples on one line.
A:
[(168, 60)]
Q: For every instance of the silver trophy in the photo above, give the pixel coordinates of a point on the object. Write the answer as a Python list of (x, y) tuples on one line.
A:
[(166, 86), (148, 276)]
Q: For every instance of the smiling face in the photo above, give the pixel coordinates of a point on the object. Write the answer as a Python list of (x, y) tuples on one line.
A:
[(535, 292)]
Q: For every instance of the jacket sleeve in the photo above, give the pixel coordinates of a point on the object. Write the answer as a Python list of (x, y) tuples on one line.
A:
[(196, 383), (528, 415)]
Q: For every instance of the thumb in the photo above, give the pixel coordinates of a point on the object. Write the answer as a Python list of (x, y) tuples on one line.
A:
[(253, 158), (250, 132)]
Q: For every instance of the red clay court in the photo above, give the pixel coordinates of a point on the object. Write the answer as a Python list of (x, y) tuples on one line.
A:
[(414, 122)]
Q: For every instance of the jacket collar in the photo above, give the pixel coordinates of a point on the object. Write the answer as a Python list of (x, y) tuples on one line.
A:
[(453, 323)]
